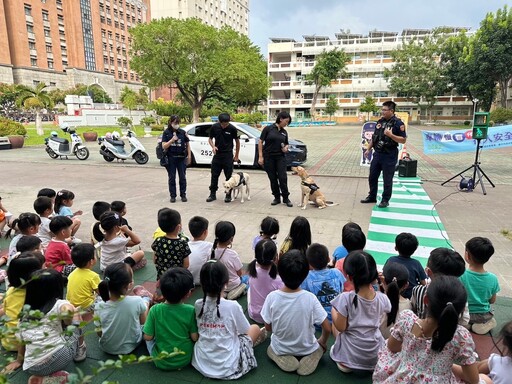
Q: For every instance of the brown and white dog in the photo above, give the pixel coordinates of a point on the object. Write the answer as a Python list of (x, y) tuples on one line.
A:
[(237, 183), (310, 191)]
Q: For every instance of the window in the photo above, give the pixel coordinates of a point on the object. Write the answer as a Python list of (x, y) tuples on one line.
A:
[(60, 18), (49, 48), (45, 16), (50, 64), (28, 10), (53, 84), (349, 111), (30, 28), (90, 60), (31, 45), (33, 62), (47, 32)]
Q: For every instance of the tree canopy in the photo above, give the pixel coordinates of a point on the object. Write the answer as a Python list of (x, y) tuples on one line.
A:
[(200, 60), (369, 105), (35, 99), (331, 106)]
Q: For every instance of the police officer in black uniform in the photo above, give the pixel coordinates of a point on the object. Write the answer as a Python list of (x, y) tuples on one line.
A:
[(222, 135), (389, 132)]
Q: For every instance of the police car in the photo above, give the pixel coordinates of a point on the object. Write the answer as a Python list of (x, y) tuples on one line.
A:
[(249, 137)]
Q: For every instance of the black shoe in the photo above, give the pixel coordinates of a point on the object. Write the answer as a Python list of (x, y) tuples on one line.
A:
[(369, 200), (275, 202), (383, 204), (211, 198), (288, 202), (184, 199), (227, 199), (173, 199)]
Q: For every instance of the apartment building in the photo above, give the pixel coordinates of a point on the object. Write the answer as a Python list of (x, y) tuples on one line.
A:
[(66, 42), (290, 61)]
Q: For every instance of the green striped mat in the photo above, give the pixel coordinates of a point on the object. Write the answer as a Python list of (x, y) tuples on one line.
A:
[(410, 210)]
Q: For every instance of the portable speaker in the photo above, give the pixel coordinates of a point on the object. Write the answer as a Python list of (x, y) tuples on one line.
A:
[(407, 168)]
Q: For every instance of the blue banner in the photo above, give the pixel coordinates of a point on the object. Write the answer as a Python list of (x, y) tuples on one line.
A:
[(439, 142)]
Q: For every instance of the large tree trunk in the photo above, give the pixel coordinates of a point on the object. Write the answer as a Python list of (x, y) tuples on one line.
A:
[(196, 109), (312, 109), (503, 92), (39, 124)]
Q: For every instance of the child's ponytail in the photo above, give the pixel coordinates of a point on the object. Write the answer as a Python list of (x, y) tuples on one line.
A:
[(265, 253), (97, 232), (361, 267), (396, 277), (447, 324), (214, 247), (213, 277)]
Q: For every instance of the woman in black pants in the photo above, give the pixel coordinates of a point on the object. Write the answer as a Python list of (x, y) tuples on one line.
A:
[(272, 147)]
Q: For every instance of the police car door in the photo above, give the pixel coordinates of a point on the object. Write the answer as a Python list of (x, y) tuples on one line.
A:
[(248, 146)]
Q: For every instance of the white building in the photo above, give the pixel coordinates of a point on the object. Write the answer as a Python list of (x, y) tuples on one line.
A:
[(233, 13), (290, 61)]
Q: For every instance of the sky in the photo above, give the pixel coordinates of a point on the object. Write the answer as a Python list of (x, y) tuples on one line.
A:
[(295, 18)]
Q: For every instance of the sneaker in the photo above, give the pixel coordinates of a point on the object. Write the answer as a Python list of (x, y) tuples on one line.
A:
[(275, 202), (484, 328), (59, 377), (384, 204), (308, 364), (81, 353), (236, 292), (369, 199), (287, 363), (211, 198), (184, 199), (139, 290), (342, 368), (288, 202), (173, 199), (262, 337)]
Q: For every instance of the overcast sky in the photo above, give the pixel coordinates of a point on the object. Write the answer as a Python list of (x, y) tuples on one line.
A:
[(294, 18)]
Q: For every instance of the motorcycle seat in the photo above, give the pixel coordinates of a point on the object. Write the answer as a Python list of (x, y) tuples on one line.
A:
[(60, 140), (119, 143)]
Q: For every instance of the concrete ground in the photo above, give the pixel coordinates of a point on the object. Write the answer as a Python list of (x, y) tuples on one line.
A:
[(333, 160)]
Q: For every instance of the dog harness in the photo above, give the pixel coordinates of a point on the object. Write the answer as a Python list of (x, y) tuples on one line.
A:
[(242, 179), (312, 187)]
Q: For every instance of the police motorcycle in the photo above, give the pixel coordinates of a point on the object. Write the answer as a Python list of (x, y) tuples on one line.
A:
[(60, 147), (112, 147)]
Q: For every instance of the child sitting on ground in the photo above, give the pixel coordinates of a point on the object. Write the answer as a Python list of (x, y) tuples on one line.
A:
[(113, 244), (482, 286), (356, 316), (47, 192), (120, 207), (406, 244), (353, 239), (83, 281), (325, 283), (291, 313), (172, 324), (200, 249), (28, 224), (58, 254), (170, 251), (30, 243), (222, 251), (346, 237), (263, 277), (44, 208), (120, 316), (63, 203), (299, 236), (226, 339), (98, 209), (269, 228), (395, 278)]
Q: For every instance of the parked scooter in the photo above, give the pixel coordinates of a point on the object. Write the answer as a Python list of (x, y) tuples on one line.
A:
[(60, 147), (113, 148)]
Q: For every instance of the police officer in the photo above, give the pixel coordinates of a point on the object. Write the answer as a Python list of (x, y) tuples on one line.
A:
[(389, 132), (222, 136)]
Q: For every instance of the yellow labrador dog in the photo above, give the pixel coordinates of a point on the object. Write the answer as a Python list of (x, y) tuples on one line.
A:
[(237, 183), (310, 191)]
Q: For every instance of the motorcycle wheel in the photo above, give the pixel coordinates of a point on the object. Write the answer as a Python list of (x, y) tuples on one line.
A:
[(108, 158), (52, 154), (82, 153), (141, 157)]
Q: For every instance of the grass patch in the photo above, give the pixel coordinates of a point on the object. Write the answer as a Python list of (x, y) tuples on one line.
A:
[(32, 138), (507, 233)]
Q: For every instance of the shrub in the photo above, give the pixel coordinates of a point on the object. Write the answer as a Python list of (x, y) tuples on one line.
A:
[(147, 120), (467, 122), (165, 120), (10, 127), (124, 122), (501, 115), (157, 128)]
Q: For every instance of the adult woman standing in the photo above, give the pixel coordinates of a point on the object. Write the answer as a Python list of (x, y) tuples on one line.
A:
[(175, 143), (272, 147)]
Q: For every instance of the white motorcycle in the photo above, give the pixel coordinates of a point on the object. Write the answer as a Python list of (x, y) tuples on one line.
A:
[(60, 147), (113, 148)]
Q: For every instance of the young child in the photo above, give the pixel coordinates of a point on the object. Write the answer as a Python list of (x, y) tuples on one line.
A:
[(58, 253), (170, 250), (323, 282), (356, 316), (423, 350), (394, 281), (113, 245), (406, 244), (119, 316), (442, 261), (221, 251), (120, 207), (269, 228), (291, 314), (200, 249), (350, 239), (263, 277), (62, 207), (47, 192), (29, 244), (28, 224), (226, 339), (482, 286), (44, 208), (6, 218), (172, 324), (19, 272), (98, 209), (299, 236), (44, 293), (83, 282)]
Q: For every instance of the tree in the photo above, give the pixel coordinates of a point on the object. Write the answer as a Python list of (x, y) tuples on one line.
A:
[(8, 95), (199, 60), (369, 105), (329, 66), (35, 99), (58, 96), (331, 106), (129, 98), (417, 73)]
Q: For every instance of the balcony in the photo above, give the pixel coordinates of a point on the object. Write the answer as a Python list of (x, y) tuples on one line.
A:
[(29, 19), (31, 36), (46, 23), (33, 53), (294, 66), (48, 39)]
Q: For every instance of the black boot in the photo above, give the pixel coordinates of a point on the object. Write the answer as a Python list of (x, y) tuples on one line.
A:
[(227, 199), (212, 197)]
